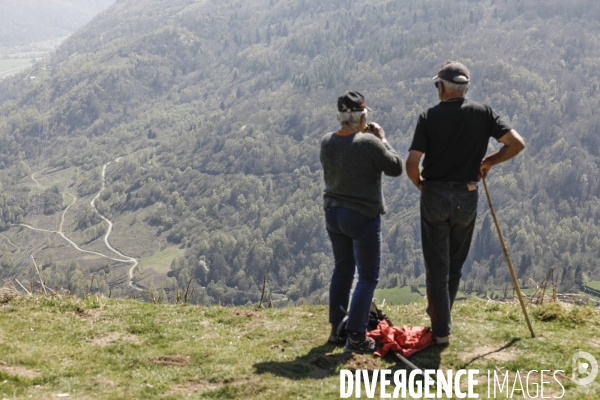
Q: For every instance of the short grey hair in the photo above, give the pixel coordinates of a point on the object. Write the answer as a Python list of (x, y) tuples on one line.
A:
[(455, 87), (351, 118)]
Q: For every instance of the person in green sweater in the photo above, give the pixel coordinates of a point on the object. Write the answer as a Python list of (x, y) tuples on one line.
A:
[(353, 161)]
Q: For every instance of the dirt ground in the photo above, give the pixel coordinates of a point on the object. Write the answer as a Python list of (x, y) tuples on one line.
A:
[(174, 360)]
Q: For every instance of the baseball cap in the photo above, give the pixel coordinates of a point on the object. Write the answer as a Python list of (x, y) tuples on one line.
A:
[(453, 71), (352, 101)]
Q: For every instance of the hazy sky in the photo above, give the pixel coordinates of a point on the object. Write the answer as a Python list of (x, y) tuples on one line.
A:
[(24, 22)]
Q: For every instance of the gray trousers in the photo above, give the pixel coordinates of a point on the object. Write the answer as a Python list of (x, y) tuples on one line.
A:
[(448, 213)]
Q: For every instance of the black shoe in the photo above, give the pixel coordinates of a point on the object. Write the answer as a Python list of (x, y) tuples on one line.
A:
[(362, 346), (335, 338), (339, 333)]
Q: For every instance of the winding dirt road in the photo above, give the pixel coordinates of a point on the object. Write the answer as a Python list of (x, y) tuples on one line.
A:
[(126, 259), (110, 226), (33, 176)]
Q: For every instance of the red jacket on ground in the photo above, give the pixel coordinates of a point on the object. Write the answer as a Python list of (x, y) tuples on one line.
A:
[(406, 340)]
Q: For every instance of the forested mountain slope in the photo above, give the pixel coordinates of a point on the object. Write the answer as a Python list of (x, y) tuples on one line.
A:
[(216, 109)]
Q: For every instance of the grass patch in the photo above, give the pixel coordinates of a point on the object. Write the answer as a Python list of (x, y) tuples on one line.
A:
[(405, 295), (571, 316), (399, 295), (132, 349), (594, 285), (160, 261), (50, 177)]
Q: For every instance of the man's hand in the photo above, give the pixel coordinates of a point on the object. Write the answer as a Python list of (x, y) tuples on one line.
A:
[(378, 131), (419, 184), (513, 145), (486, 166)]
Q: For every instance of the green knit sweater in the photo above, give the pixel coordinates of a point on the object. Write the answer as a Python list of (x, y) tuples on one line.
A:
[(352, 167)]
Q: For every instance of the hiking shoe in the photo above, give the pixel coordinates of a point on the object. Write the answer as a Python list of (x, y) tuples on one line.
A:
[(366, 345), (442, 339), (336, 339)]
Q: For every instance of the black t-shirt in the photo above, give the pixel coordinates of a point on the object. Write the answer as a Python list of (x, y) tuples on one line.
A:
[(454, 136)]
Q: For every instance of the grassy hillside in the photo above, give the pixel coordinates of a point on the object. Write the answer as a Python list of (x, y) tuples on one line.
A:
[(116, 349)]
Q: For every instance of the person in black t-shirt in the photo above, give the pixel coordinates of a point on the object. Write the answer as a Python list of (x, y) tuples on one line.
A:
[(453, 136)]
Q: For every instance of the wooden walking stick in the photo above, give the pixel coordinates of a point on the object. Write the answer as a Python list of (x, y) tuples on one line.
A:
[(510, 267)]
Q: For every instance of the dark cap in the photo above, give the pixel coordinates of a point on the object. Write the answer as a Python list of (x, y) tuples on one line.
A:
[(352, 101), (455, 72)]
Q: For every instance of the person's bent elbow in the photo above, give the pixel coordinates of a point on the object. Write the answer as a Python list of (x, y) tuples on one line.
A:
[(396, 170), (520, 144), (515, 140), (412, 162)]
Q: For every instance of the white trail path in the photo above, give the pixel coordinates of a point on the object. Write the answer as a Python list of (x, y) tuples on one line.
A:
[(33, 176), (110, 226), (127, 259)]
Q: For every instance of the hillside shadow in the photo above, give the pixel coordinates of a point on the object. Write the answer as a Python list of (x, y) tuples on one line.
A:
[(320, 363)]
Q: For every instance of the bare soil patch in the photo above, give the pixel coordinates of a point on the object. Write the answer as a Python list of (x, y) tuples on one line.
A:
[(248, 313), (360, 361), (7, 293), (112, 337), (174, 360), (90, 315), (21, 372), (324, 365)]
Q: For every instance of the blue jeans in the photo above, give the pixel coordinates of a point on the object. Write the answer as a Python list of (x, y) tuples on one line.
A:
[(448, 212), (356, 242)]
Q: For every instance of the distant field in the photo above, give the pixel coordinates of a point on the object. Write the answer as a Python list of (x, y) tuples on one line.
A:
[(160, 261), (499, 293), (20, 58), (50, 177), (51, 42), (403, 295), (398, 296), (9, 64), (594, 284)]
